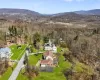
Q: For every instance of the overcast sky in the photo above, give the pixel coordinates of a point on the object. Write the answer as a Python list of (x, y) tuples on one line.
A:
[(51, 6)]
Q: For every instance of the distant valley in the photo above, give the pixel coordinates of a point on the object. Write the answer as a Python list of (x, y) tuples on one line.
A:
[(89, 18)]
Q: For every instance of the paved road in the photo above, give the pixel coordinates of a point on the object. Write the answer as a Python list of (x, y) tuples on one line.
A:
[(17, 69), (38, 63)]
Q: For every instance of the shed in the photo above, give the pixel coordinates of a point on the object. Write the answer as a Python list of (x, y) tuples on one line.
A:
[(5, 52)]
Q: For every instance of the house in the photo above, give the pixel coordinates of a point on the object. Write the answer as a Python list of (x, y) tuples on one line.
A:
[(47, 62), (48, 55), (50, 46), (28, 50), (54, 49), (5, 52), (47, 59), (46, 65)]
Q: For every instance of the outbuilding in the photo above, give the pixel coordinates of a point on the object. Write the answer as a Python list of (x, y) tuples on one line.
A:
[(5, 52)]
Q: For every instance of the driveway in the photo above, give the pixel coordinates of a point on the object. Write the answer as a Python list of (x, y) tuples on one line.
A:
[(17, 69)]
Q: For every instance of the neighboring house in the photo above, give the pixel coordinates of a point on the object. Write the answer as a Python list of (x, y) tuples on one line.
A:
[(54, 49), (28, 51), (48, 61), (5, 52), (50, 46)]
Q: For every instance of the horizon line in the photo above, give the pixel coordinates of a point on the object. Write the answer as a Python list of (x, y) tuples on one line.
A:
[(51, 13)]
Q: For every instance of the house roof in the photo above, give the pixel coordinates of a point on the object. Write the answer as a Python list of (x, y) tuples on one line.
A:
[(48, 53), (5, 50), (46, 62)]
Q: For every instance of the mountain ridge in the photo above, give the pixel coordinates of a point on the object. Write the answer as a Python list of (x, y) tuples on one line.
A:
[(89, 12), (15, 10)]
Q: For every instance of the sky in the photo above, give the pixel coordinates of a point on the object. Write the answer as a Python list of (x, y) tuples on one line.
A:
[(51, 6)]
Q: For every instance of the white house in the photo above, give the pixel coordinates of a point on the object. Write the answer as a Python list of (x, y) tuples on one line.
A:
[(5, 52), (50, 47), (54, 49)]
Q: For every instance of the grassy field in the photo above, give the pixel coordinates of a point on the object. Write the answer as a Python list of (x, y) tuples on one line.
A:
[(17, 54), (33, 59), (7, 74)]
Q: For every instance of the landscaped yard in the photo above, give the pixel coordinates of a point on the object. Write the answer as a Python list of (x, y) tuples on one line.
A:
[(58, 71), (33, 59), (57, 74), (17, 54), (7, 74)]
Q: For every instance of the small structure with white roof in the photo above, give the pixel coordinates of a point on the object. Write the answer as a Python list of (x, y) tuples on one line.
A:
[(5, 52)]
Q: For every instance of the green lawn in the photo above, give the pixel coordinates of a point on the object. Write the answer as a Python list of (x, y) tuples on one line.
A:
[(22, 77), (16, 55), (7, 74), (33, 59)]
